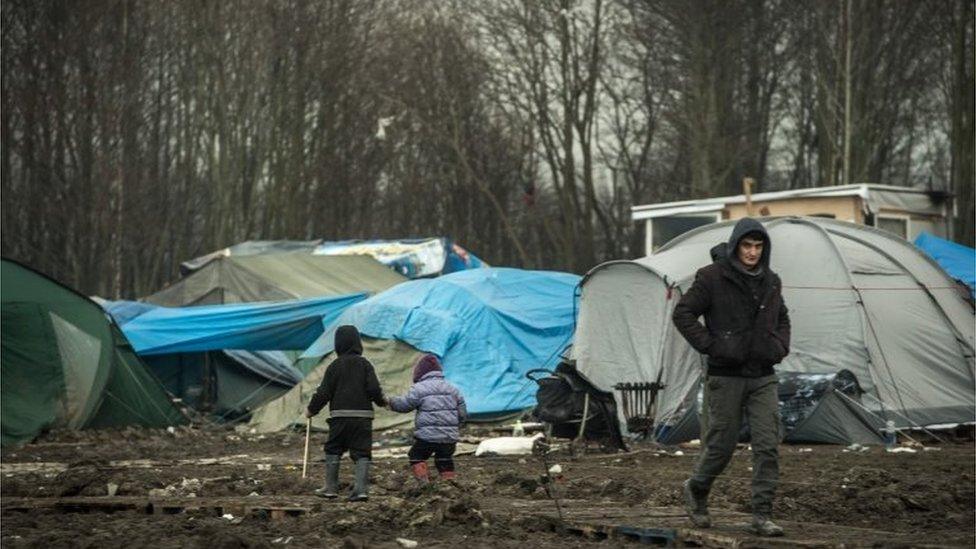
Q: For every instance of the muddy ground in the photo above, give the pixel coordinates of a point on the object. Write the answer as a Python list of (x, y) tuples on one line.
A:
[(925, 497)]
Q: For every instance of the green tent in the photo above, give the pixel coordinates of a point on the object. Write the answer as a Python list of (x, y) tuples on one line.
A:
[(276, 277), (64, 363), (393, 361)]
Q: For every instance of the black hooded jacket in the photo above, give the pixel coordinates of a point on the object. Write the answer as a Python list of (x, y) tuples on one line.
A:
[(747, 325), (350, 385)]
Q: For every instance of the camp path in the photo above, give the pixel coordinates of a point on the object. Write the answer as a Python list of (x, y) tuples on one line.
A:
[(192, 488)]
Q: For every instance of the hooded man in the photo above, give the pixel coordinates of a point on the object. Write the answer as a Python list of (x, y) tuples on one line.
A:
[(746, 332), (350, 388)]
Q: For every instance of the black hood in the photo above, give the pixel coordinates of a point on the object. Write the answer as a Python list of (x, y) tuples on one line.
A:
[(745, 226), (347, 341)]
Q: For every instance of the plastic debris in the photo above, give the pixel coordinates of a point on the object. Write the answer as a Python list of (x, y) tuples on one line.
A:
[(507, 446), (264, 466), (227, 516), (556, 469), (901, 450), (406, 543), (112, 488)]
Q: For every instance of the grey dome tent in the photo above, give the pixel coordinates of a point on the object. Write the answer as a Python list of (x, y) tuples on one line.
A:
[(861, 301)]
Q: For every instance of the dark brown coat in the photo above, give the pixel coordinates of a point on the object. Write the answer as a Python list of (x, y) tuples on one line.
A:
[(747, 326)]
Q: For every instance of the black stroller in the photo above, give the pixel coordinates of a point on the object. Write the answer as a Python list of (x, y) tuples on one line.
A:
[(574, 409)]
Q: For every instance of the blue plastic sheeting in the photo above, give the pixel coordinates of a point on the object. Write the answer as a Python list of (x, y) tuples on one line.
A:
[(489, 327), (413, 258), (273, 365), (957, 260), (124, 311), (251, 326)]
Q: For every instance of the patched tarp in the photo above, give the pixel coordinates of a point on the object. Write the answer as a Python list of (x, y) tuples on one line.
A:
[(489, 327), (252, 326)]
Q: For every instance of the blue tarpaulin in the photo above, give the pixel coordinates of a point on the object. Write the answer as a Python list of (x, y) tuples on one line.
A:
[(251, 326), (489, 326), (957, 260)]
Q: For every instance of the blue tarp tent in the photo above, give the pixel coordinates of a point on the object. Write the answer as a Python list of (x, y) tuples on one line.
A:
[(957, 260), (489, 326), (251, 326)]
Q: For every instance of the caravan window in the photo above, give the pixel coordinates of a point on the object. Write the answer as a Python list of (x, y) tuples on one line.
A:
[(664, 229), (893, 224)]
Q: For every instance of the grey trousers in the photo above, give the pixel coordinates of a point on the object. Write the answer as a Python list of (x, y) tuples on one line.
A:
[(725, 401)]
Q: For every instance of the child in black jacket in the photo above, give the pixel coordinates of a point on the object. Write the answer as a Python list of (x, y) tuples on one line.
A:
[(350, 388)]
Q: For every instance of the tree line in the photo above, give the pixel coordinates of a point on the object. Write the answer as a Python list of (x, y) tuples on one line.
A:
[(138, 134)]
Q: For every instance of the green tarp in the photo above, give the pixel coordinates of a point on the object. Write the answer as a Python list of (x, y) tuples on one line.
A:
[(278, 277), (64, 364)]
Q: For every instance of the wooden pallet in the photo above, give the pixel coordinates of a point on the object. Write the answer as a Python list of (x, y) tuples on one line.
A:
[(272, 509)]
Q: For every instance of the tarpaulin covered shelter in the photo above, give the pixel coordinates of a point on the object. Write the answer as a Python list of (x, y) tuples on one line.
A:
[(411, 257), (65, 364), (264, 326), (275, 277), (393, 361), (488, 326), (232, 382), (860, 300)]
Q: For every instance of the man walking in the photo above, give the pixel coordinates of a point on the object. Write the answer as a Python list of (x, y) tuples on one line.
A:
[(746, 332)]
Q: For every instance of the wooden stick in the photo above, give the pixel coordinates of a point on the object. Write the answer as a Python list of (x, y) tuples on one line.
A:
[(308, 432)]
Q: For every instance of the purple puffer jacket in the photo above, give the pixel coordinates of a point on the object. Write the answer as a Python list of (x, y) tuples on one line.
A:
[(440, 408)]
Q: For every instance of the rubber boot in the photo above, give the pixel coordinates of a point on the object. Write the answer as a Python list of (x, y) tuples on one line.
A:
[(696, 505), (448, 475), (360, 491), (420, 472), (331, 488)]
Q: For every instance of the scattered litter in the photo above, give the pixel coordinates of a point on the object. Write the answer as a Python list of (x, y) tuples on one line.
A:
[(931, 449), (856, 448), (678, 453), (518, 430), (805, 450), (227, 516), (282, 540), (171, 430), (406, 543), (694, 443), (507, 446), (556, 469), (264, 466), (902, 450), (522, 461), (253, 494), (112, 488), (190, 484)]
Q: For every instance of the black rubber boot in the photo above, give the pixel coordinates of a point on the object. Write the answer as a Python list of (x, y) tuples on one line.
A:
[(330, 490), (360, 491)]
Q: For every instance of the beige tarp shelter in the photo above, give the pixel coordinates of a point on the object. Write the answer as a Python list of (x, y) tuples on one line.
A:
[(860, 300), (393, 361)]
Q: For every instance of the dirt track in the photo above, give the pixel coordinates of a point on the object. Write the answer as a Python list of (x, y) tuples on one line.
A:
[(55, 492)]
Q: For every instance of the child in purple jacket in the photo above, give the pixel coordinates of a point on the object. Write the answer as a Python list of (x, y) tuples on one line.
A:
[(440, 412)]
